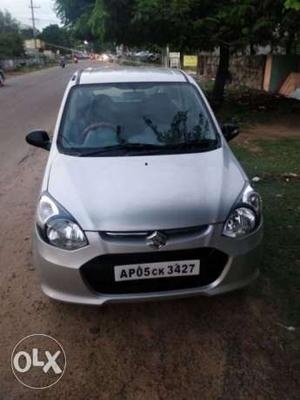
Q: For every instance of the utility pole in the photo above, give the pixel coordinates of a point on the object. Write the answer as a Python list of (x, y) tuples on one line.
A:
[(32, 7)]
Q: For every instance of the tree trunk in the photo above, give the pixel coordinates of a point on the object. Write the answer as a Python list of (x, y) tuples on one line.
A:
[(200, 65), (288, 46), (222, 74)]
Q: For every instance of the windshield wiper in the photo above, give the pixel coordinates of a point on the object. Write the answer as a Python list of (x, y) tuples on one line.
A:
[(194, 144), (151, 148), (121, 147)]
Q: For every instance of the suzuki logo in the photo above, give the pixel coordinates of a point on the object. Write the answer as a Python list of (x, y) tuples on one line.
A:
[(157, 239)]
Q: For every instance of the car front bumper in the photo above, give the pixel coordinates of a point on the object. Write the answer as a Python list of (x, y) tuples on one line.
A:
[(62, 279)]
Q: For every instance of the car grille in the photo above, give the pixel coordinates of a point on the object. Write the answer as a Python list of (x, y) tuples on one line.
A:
[(140, 238), (98, 273)]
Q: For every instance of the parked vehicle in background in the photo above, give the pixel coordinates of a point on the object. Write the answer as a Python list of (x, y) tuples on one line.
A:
[(106, 57), (155, 57), (82, 55), (142, 197), (145, 56), (112, 57)]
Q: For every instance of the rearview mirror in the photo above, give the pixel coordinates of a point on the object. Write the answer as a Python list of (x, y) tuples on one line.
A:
[(39, 138), (230, 131)]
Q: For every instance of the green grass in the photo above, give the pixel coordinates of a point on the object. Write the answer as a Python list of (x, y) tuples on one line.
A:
[(271, 160), (274, 157), (281, 263), (206, 86), (26, 69)]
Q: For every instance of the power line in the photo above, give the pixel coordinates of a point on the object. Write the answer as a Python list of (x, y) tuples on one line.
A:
[(62, 47), (32, 7), (47, 19)]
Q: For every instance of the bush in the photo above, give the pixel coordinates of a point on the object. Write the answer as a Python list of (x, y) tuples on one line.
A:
[(11, 45)]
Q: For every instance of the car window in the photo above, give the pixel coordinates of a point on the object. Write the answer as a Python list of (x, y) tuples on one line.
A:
[(111, 115)]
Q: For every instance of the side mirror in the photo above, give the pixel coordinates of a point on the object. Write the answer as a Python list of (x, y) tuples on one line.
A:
[(230, 131), (39, 138)]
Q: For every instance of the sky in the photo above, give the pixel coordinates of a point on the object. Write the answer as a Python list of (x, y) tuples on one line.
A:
[(45, 15)]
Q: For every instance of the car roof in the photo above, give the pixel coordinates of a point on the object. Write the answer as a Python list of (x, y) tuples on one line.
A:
[(119, 74)]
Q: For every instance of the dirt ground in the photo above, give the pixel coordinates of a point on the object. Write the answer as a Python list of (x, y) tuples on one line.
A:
[(224, 348), (281, 127), (278, 128)]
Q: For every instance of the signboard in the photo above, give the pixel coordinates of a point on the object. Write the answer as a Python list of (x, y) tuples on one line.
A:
[(174, 59), (190, 61)]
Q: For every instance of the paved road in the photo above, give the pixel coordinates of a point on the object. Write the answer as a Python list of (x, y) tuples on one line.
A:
[(223, 348), (27, 102)]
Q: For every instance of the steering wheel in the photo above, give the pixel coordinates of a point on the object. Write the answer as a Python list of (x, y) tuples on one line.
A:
[(96, 125)]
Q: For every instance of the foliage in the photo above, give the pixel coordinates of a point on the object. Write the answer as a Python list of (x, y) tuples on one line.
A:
[(192, 24), (11, 43), (77, 13), (292, 4), (232, 25), (26, 33), (54, 35)]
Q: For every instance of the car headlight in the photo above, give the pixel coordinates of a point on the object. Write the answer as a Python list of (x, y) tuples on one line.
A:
[(253, 199), (240, 222), (245, 218), (57, 227)]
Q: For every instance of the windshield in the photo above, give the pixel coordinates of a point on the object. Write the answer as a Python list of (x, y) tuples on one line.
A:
[(134, 118)]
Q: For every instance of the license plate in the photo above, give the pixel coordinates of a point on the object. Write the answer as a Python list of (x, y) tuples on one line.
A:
[(170, 269)]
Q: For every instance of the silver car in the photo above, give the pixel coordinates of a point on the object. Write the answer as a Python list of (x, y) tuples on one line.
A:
[(142, 198)]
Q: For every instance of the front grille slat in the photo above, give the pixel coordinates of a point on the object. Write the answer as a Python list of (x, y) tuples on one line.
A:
[(99, 272), (171, 234)]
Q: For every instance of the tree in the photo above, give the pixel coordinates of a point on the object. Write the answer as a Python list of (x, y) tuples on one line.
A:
[(27, 33), (130, 22), (205, 25), (98, 20), (230, 25), (54, 35), (165, 22), (11, 43), (292, 4), (76, 14), (233, 26)]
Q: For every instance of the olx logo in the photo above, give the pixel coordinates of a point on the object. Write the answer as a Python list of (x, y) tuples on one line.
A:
[(34, 361), (38, 361)]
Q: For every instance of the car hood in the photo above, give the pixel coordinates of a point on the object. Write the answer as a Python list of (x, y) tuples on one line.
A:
[(141, 193)]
